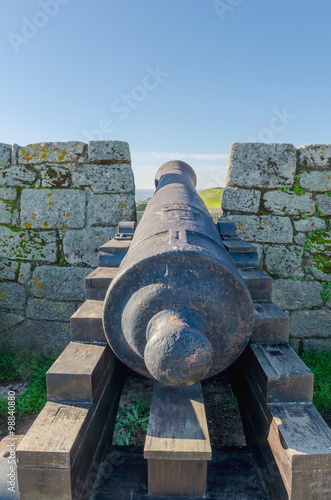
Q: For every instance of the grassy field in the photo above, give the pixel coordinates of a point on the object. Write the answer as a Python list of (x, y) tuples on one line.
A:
[(212, 197)]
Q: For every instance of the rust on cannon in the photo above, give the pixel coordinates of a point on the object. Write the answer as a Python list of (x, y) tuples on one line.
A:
[(177, 311)]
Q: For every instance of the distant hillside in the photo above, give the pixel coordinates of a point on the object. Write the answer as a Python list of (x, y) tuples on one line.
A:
[(212, 197)]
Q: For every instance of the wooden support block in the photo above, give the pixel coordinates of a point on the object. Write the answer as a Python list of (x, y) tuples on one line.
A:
[(86, 323), (258, 282), (66, 441), (77, 373), (291, 440), (177, 444), (271, 324), (113, 252), (242, 252), (98, 281), (277, 373)]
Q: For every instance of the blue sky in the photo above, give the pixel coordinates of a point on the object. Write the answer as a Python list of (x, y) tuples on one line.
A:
[(177, 79)]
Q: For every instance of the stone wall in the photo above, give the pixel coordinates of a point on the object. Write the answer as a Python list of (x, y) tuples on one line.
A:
[(280, 198), (58, 203)]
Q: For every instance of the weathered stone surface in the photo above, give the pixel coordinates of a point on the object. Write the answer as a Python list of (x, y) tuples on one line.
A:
[(8, 193), (288, 203), (324, 203), (311, 323), (317, 267), (81, 246), (46, 309), (53, 208), (6, 216), (8, 270), (109, 210), (25, 273), (283, 261), (9, 319), (316, 181), (315, 156), (241, 200), (299, 238), (310, 224), (17, 176), (53, 152), (268, 228), (109, 152), (48, 336), (104, 178), (5, 154), (316, 344), (59, 283), (28, 245), (261, 165), (55, 176), (12, 296), (291, 295)]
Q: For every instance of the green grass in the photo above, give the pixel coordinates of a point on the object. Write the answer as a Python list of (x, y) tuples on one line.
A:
[(30, 368), (212, 197), (320, 365)]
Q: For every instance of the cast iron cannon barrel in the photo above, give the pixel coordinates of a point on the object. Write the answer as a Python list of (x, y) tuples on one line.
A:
[(177, 311)]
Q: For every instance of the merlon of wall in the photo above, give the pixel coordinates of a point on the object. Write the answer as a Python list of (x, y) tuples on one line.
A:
[(279, 197)]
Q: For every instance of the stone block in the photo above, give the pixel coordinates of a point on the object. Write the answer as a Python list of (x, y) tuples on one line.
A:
[(53, 152), (19, 175), (324, 203), (313, 323), (288, 203), (6, 215), (47, 336), (296, 294), (25, 273), (55, 176), (109, 210), (46, 309), (310, 224), (261, 165), (316, 345), (284, 261), (299, 238), (53, 208), (13, 296), (104, 178), (316, 181), (8, 193), (8, 269), (241, 200), (5, 154), (9, 319), (264, 229), (59, 283), (28, 245), (315, 156), (81, 246), (109, 152)]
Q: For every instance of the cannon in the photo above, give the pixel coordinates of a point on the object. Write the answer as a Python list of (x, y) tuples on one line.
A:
[(178, 310)]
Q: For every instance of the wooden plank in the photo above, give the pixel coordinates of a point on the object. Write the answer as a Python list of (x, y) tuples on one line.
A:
[(112, 253), (271, 324), (78, 371), (53, 440), (177, 428), (97, 283), (280, 373), (177, 477), (258, 282), (86, 323)]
